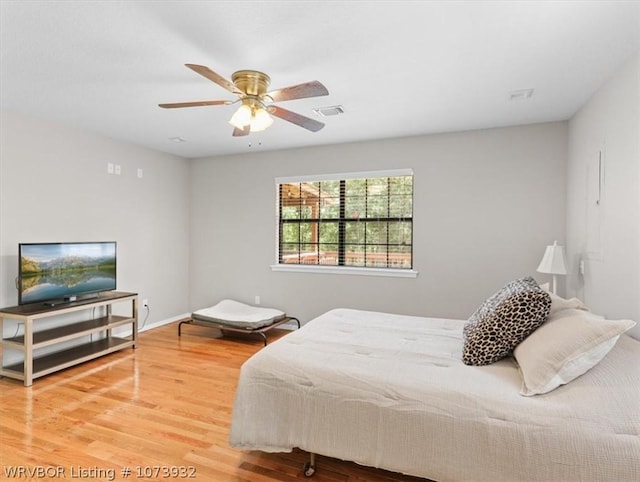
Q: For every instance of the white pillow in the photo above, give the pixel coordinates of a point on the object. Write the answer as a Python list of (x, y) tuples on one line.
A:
[(558, 303), (569, 343)]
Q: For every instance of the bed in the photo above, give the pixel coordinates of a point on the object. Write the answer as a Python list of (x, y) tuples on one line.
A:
[(390, 391), (233, 316)]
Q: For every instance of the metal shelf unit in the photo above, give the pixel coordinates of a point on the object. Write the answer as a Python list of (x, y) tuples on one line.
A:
[(36, 365)]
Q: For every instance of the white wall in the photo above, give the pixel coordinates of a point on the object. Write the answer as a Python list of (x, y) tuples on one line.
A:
[(54, 186), (607, 236), (486, 205)]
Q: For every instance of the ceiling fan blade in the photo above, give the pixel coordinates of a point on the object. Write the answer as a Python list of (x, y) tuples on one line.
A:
[(300, 91), (241, 132), (218, 79), (195, 104), (302, 121)]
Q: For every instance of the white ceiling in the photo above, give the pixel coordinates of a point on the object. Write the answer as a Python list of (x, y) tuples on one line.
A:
[(399, 68)]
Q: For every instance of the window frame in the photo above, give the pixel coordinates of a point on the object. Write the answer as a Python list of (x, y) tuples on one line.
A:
[(340, 269)]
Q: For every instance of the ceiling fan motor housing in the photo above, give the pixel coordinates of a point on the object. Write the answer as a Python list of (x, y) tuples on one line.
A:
[(251, 82)]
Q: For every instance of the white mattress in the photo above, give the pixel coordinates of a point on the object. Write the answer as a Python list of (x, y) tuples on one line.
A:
[(391, 391), (238, 315)]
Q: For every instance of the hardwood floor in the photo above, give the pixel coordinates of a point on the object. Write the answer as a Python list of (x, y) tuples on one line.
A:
[(165, 404)]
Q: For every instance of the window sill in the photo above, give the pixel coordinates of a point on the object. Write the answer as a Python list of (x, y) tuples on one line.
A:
[(388, 272)]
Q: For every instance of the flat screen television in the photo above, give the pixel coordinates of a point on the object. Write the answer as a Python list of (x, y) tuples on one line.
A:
[(53, 273)]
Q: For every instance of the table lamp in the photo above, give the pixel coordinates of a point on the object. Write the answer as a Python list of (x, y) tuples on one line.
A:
[(553, 263)]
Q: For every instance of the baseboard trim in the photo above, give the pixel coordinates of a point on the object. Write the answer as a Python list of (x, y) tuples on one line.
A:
[(158, 324)]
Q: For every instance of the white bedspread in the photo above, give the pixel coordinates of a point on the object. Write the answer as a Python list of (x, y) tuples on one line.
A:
[(391, 391)]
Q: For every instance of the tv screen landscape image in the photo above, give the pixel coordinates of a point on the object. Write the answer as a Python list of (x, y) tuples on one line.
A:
[(65, 271)]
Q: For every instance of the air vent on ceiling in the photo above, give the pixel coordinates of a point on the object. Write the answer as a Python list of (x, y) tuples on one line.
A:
[(327, 111), (521, 94)]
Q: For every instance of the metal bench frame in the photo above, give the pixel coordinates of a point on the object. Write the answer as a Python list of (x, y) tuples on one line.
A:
[(224, 327)]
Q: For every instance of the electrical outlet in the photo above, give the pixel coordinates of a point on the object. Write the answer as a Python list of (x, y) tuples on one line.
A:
[(257, 300), (145, 303)]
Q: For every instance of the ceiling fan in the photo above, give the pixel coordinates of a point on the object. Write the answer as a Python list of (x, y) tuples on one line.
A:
[(256, 103)]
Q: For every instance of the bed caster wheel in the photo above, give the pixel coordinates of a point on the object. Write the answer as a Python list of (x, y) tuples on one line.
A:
[(308, 470)]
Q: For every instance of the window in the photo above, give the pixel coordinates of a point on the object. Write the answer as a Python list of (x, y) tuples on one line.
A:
[(358, 220)]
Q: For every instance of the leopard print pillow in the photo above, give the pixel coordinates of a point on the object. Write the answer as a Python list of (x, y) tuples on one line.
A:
[(503, 321)]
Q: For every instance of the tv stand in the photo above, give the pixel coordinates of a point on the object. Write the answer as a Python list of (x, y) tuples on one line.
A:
[(36, 365)]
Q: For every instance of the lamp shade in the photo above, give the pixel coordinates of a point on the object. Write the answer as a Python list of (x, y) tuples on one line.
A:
[(553, 260), (261, 120), (242, 117)]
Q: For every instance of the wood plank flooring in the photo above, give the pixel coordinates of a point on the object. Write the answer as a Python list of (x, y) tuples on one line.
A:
[(165, 404)]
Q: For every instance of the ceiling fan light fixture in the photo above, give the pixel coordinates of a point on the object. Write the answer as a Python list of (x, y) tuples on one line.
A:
[(260, 120), (242, 117), (256, 111)]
